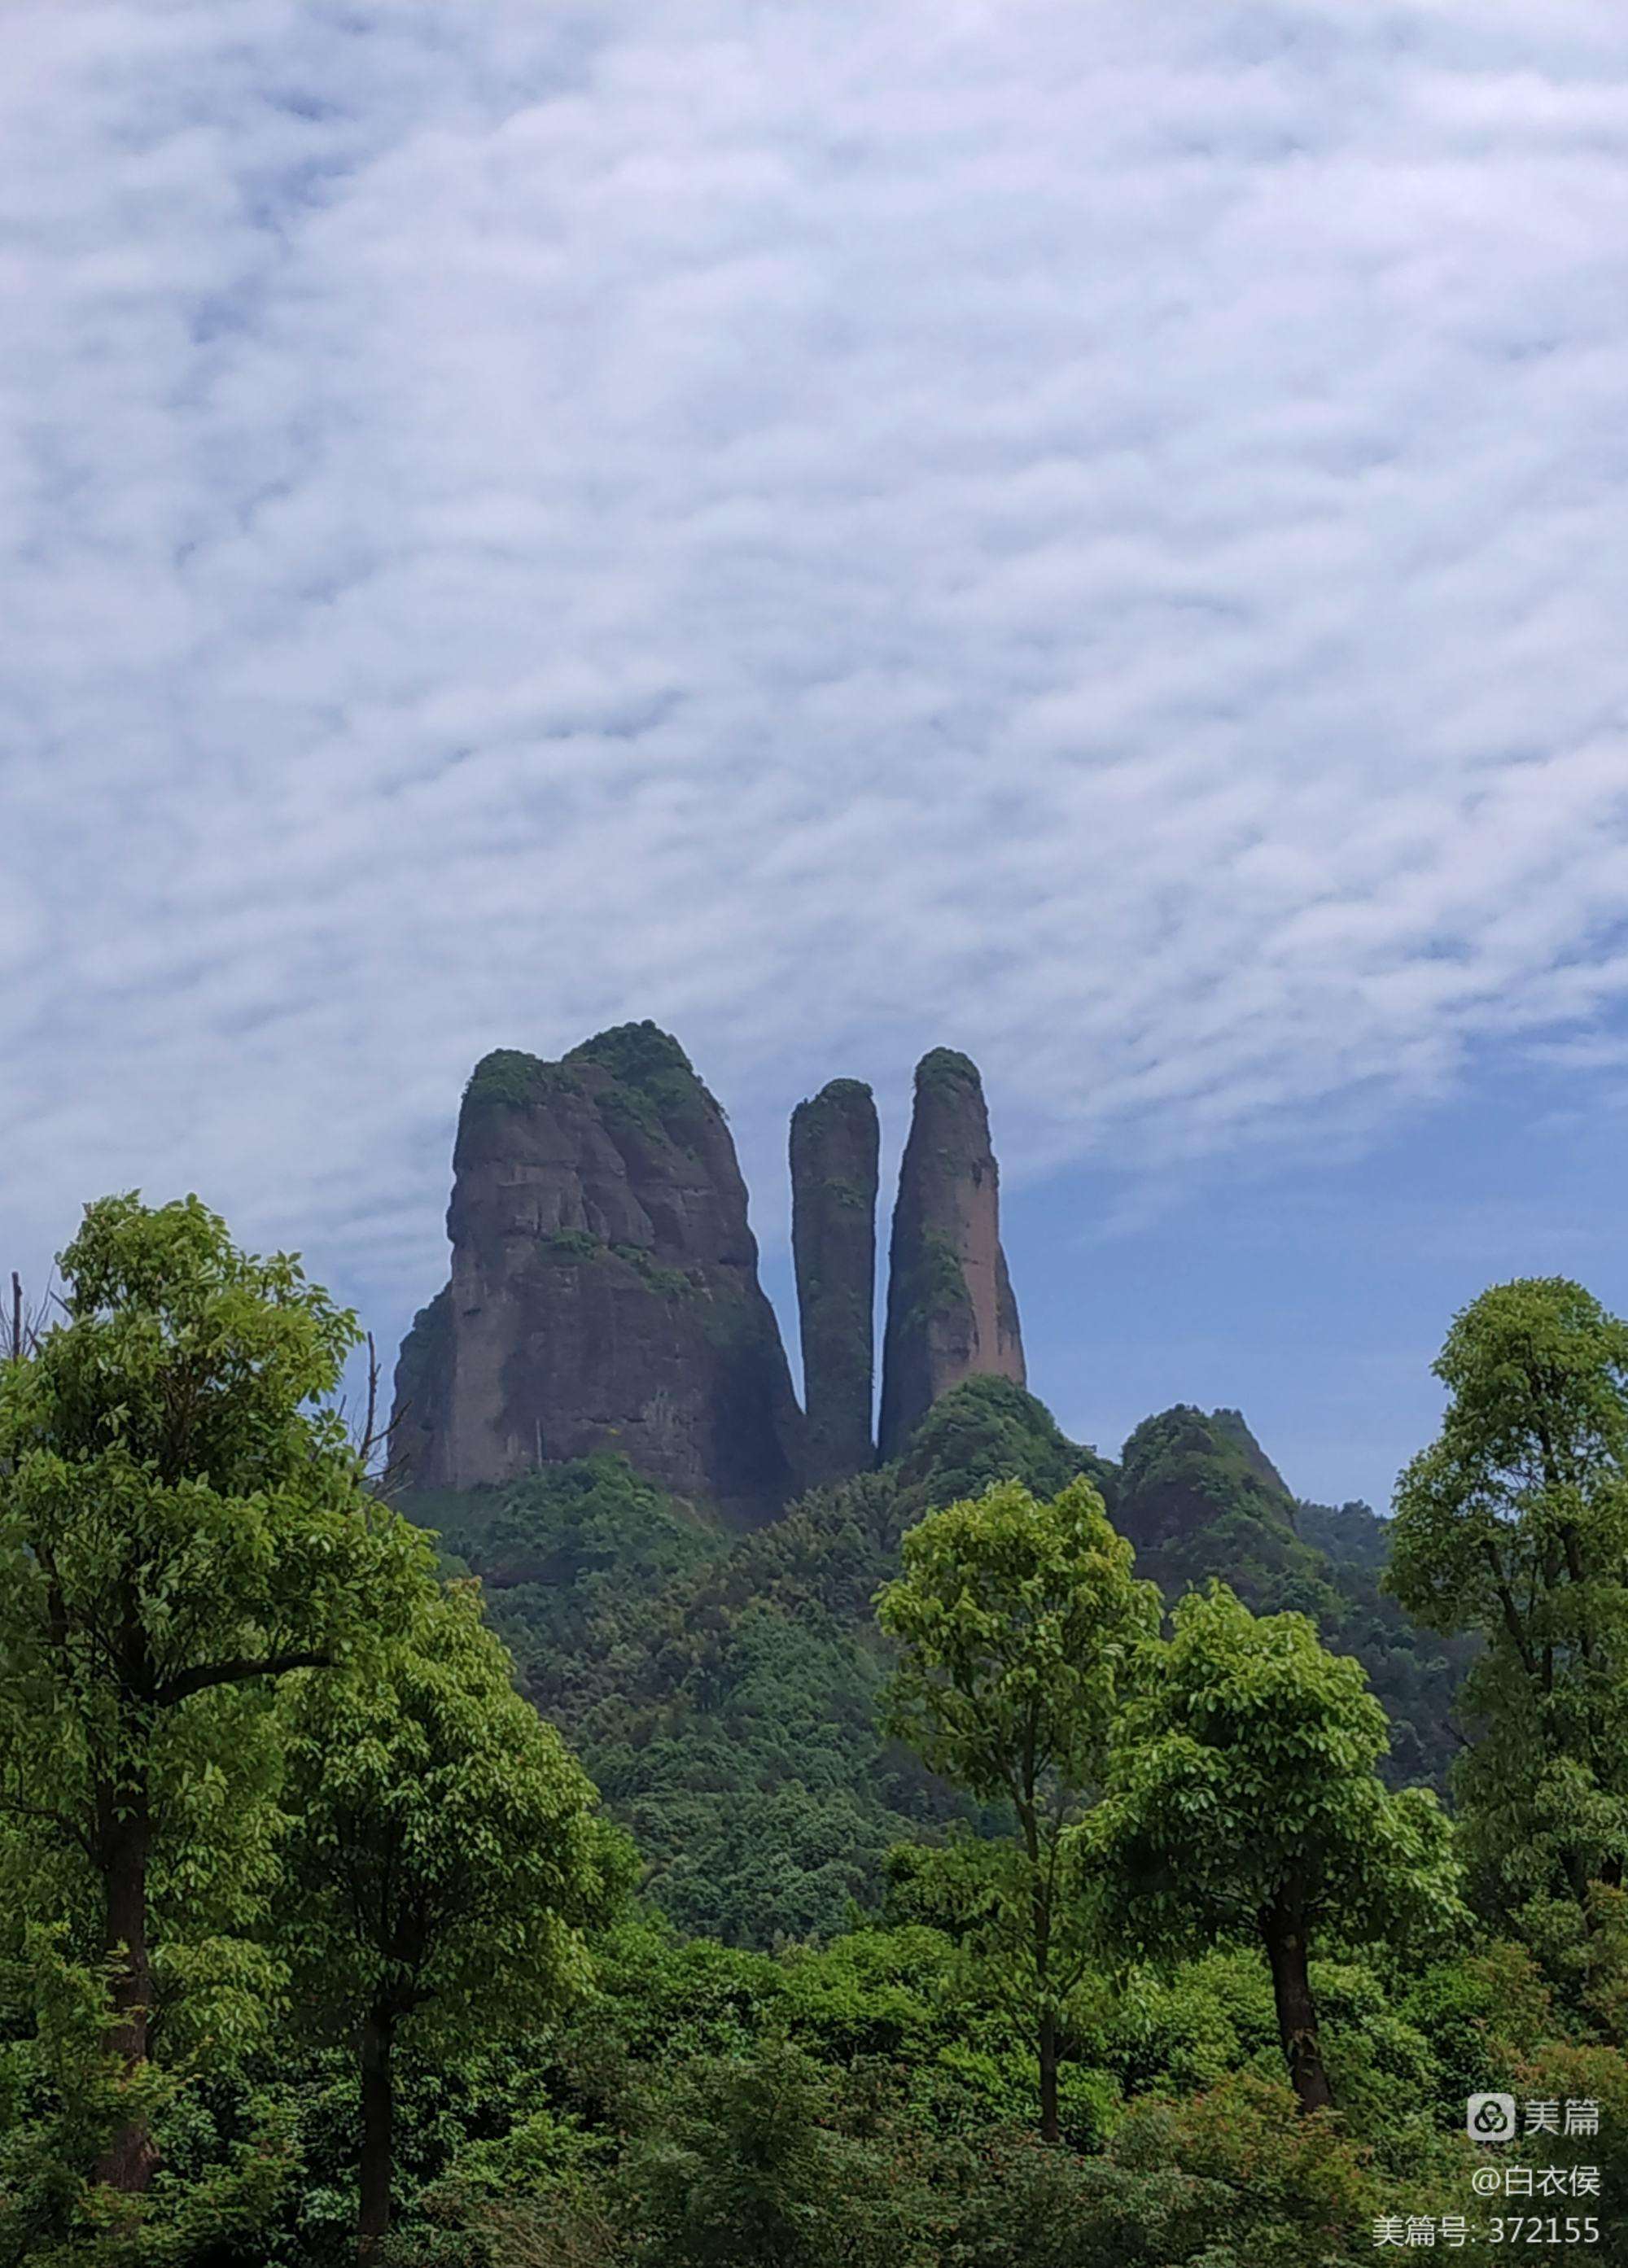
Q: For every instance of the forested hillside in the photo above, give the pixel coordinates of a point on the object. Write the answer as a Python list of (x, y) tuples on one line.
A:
[(910, 1878), (722, 1690)]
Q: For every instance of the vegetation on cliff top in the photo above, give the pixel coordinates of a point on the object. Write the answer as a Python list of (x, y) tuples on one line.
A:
[(835, 1101), (653, 1082), (656, 1085), (946, 1069), (510, 1076)]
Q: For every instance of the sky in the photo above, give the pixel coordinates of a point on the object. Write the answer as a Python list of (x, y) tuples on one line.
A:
[(1091, 535)]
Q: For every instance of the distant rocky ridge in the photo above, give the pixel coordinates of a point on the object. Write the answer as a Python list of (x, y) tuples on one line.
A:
[(604, 1290)]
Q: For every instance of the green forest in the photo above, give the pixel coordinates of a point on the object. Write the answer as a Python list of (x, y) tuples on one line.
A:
[(1011, 1857)]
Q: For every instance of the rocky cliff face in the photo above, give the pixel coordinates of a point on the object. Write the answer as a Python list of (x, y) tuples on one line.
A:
[(951, 1312), (604, 1290), (834, 1142)]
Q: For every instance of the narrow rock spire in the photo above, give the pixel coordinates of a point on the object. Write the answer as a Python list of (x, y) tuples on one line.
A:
[(951, 1312), (835, 1143)]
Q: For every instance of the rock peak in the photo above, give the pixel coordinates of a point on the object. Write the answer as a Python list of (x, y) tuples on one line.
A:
[(834, 1146), (940, 1065), (639, 1055), (604, 1290), (951, 1311)]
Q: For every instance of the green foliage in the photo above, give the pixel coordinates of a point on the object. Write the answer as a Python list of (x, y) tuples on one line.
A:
[(1530, 1461), (66, 2090), (833, 1105), (569, 1248), (1247, 1763), (933, 1283), (729, 1717), (787, 2136), (1243, 1800), (1416, 1676), (212, 2193), (653, 1087), (509, 1077), (1514, 1523), (571, 1245), (183, 1520), (393, 1843), (946, 1070), (444, 1848), (671, 1283), (693, 2070), (656, 1089), (1018, 1618), (850, 1195), (741, 2166), (442, 1861), (1261, 2188), (988, 1429), (566, 1554), (721, 1691), (637, 1055), (1198, 1497)]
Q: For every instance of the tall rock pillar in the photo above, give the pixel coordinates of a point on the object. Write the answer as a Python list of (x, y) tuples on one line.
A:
[(834, 1142), (951, 1312)]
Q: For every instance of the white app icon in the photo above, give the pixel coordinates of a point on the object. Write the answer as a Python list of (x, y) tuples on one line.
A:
[(1490, 2119)]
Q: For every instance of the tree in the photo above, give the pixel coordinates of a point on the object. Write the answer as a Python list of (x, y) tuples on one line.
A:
[(445, 1857), (1242, 1802), (183, 1520), (740, 2164), (1513, 1522), (1017, 1616)]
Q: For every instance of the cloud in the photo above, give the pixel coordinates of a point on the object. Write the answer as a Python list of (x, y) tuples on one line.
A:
[(1095, 535)]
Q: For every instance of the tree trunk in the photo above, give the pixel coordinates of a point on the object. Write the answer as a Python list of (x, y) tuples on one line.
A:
[(1284, 1929), (126, 1840), (1040, 1928), (377, 2131), (1050, 2125)]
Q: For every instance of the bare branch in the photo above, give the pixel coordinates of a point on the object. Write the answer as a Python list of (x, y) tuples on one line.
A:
[(368, 1436), (22, 1337), (378, 1434)]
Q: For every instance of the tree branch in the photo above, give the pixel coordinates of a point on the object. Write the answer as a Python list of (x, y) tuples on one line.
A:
[(15, 1808), (1512, 1617), (232, 1673)]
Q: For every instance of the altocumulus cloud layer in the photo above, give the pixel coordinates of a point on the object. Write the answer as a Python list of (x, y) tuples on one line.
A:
[(1095, 532)]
